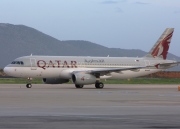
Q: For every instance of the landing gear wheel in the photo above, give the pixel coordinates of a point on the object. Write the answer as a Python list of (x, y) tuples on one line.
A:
[(29, 85), (79, 86), (99, 85)]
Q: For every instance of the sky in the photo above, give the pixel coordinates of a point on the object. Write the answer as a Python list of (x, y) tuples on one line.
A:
[(126, 24)]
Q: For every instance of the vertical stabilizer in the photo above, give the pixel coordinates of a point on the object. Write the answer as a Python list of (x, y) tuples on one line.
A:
[(160, 49)]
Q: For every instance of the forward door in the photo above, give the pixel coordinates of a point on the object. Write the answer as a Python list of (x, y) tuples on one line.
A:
[(33, 64)]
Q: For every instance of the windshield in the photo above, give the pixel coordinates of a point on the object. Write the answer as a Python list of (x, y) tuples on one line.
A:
[(18, 62)]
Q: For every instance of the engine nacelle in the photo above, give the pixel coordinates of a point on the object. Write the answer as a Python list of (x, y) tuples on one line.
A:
[(83, 79), (55, 80)]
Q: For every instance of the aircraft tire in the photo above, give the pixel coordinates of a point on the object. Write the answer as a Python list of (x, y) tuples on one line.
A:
[(29, 85), (99, 85), (79, 86)]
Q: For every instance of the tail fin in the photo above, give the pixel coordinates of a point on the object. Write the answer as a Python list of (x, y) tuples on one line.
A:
[(160, 49)]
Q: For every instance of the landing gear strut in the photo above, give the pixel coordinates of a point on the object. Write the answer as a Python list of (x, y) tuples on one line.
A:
[(99, 85), (29, 85)]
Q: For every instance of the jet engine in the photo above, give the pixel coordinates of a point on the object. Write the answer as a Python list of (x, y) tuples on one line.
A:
[(55, 80), (83, 79)]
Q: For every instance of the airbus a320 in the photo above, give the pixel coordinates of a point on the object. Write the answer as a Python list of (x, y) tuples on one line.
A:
[(90, 70)]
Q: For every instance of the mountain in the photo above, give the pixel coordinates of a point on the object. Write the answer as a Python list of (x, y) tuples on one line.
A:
[(20, 40)]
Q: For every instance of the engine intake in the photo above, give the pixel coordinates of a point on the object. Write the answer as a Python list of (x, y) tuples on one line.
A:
[(55, 80), (83, 79)]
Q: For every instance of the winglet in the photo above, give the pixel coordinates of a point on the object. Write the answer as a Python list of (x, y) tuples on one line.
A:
[(160, 49)]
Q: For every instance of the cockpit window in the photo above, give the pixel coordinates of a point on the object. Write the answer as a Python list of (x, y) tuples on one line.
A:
[(13, 62), (18, 62), (22, 63)]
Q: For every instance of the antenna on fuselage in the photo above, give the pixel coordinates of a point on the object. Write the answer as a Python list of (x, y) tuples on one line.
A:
[(31, 54)]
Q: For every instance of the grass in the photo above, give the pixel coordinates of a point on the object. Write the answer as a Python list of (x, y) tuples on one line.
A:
[(124, 81), (18, 81)]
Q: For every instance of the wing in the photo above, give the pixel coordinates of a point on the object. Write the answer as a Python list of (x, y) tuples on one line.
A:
[(104, 71)]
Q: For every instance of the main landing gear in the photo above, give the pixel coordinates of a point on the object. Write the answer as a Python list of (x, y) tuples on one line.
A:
[(98, 85), (79, 86), (29, 85)]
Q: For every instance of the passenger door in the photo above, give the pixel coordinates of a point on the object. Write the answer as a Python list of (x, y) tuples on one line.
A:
[(33, 64)]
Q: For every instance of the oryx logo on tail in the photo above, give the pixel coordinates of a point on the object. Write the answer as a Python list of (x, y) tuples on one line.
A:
[(163, 47), (160, 49)]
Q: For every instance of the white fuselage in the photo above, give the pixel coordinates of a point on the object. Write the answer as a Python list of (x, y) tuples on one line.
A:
[(63, 67)]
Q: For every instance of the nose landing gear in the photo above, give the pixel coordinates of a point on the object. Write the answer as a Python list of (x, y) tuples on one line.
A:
[(29, 85)]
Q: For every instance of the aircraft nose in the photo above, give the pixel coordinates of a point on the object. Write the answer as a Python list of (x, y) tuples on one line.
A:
[(6, 70), (12, 71)]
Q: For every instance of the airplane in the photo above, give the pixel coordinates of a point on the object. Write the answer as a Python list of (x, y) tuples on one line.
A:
[(84, 70)]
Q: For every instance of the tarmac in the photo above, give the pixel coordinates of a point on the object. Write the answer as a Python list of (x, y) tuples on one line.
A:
[(114, 107)]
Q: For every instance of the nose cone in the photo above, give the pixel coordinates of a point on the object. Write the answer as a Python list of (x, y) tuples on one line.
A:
[(6, 70), (12, 71)]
